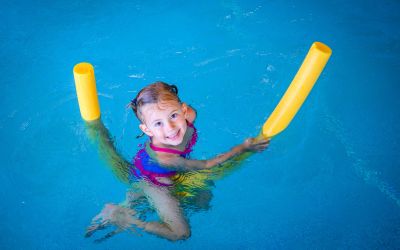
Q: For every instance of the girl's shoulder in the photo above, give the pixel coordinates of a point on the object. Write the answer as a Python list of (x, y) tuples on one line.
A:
[(190, 137)]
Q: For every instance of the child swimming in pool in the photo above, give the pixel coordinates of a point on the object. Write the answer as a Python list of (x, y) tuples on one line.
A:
[(169, 124)]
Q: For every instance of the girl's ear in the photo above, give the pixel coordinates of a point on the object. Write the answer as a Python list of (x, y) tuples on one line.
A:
[(185, 110), (189, 113), (145, 129)]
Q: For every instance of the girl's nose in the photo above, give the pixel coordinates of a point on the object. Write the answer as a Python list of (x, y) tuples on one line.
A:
[(170, 125)]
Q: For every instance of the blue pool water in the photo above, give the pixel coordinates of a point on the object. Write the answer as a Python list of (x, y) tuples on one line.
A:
[(329, 181)]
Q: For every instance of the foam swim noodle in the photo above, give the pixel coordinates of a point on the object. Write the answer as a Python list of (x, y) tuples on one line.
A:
[(298, 90), (85, 84)]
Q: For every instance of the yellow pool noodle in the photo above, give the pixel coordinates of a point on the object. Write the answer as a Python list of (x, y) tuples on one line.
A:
[(85, 84), (298, 90)]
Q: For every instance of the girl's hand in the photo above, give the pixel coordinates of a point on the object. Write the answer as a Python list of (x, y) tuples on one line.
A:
[(255, 144)]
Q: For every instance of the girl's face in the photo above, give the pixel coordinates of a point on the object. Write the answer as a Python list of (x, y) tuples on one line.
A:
[(164, 122)]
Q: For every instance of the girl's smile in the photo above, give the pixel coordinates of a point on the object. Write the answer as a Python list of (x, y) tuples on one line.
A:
[(174, 136)]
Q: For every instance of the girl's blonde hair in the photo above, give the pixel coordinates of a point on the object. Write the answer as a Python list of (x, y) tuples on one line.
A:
[(154, 93)]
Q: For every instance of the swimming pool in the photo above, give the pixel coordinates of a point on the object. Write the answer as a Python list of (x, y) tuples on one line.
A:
[(331, 180)]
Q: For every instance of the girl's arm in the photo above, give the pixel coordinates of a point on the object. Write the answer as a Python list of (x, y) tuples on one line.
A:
[(180, 163), (99, 133)]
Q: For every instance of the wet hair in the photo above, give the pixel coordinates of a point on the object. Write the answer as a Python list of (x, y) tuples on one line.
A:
[(154, 93)]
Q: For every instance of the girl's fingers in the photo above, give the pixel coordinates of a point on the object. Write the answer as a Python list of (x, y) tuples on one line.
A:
[(262, 144), (263, 141), (256, 144)]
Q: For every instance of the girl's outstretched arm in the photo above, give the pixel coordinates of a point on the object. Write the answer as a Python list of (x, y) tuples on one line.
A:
[(100, 134), (180, 163)]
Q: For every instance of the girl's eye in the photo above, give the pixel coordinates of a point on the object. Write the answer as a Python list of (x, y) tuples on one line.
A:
[(174, 115), (157, 124)]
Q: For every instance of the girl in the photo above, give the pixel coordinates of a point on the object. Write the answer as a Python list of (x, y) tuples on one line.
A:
[(168, 123)]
